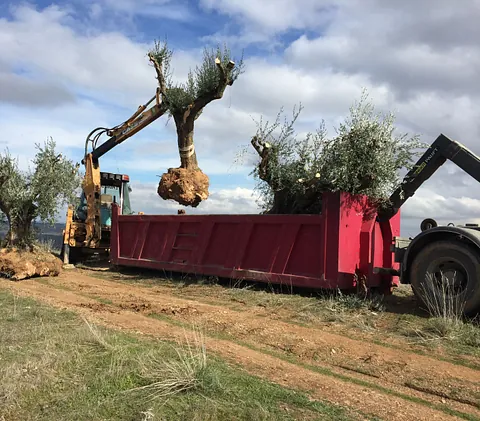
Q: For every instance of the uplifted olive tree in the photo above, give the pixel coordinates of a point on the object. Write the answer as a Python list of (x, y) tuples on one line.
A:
[(34, 194), (185, 102), (364, 157)]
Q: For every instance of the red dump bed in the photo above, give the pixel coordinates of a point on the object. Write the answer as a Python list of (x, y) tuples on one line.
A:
[(319, 251)]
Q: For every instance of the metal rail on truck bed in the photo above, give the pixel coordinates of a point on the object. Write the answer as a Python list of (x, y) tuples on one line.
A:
[(331, 250)]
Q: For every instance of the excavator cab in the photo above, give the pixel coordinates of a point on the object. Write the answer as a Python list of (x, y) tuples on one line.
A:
[(114, 188)]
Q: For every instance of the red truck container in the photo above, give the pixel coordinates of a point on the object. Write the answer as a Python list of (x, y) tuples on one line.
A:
[(331, 250)]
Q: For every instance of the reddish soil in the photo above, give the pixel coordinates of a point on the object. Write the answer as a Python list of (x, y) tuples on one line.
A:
[(17, 264), (185, 186), (381, 381)]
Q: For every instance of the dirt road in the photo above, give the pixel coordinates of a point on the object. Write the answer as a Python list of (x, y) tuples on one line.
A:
[(388, 382)]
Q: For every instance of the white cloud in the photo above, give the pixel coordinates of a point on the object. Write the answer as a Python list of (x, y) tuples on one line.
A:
[(163, 9), (238, 200), (411, 47), (263, 19), (83, 62), (265, 87), (433, 205), (406, 69), (209, 165), (107, 66), (33, 93), (68, 125)]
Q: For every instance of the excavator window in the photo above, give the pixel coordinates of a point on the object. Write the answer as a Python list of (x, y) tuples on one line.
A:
[(120, 195), (126, 208), (113, 191), (81, 211)]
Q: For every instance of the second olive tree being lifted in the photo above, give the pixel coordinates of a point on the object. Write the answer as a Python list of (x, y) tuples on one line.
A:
[(187, 184)]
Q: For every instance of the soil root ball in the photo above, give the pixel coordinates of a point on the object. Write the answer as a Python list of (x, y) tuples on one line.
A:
[(185, 186), (18, 264)]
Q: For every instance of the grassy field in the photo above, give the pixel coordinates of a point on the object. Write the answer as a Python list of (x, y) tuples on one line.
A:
[(264, 353), (54, 365)]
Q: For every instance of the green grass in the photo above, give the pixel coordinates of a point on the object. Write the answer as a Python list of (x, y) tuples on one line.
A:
[(464, 336), (56, 366), (286, 356)]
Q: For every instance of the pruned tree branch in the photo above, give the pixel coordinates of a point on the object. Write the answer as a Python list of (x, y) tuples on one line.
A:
[(160, 76), (265, 151), (217, 92)]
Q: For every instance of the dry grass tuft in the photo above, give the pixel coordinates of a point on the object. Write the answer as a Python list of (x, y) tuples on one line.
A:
[(106, 343), (446, 307), (97, 335), (441, 299), (48, 246), (168, 377)]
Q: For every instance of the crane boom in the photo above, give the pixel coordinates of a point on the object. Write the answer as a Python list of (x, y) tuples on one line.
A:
[(138, 121), (434, 157)]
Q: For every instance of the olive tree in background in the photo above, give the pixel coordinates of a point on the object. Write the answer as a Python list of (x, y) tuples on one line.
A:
[(365, 157), (35, 194)]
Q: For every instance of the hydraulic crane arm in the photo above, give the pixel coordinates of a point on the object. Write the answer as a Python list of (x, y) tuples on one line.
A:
[(139, 120), (434, 157), (91, 182)]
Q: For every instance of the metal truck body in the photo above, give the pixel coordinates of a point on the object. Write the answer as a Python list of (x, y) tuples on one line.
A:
[(337, 249)]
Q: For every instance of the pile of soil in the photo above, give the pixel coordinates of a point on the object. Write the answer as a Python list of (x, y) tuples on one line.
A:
[(185, 186), (18, 264)]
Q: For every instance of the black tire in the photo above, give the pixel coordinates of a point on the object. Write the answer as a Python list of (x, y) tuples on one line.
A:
[(448, 257)]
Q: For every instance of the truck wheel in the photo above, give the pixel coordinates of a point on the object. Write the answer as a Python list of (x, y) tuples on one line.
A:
[(447, 273)]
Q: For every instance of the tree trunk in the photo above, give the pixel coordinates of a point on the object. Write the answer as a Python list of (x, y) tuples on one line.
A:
[(185, 130), (20, 226), (20, 233), (188, 155), (286, 199), (187, 185)]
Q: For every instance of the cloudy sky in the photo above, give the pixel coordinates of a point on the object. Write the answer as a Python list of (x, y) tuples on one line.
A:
[(68, 67)]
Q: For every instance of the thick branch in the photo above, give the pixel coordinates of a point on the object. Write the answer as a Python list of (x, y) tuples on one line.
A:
[(287, 199), (197, 106), (264, 149), (160, 75), (3, 207)]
